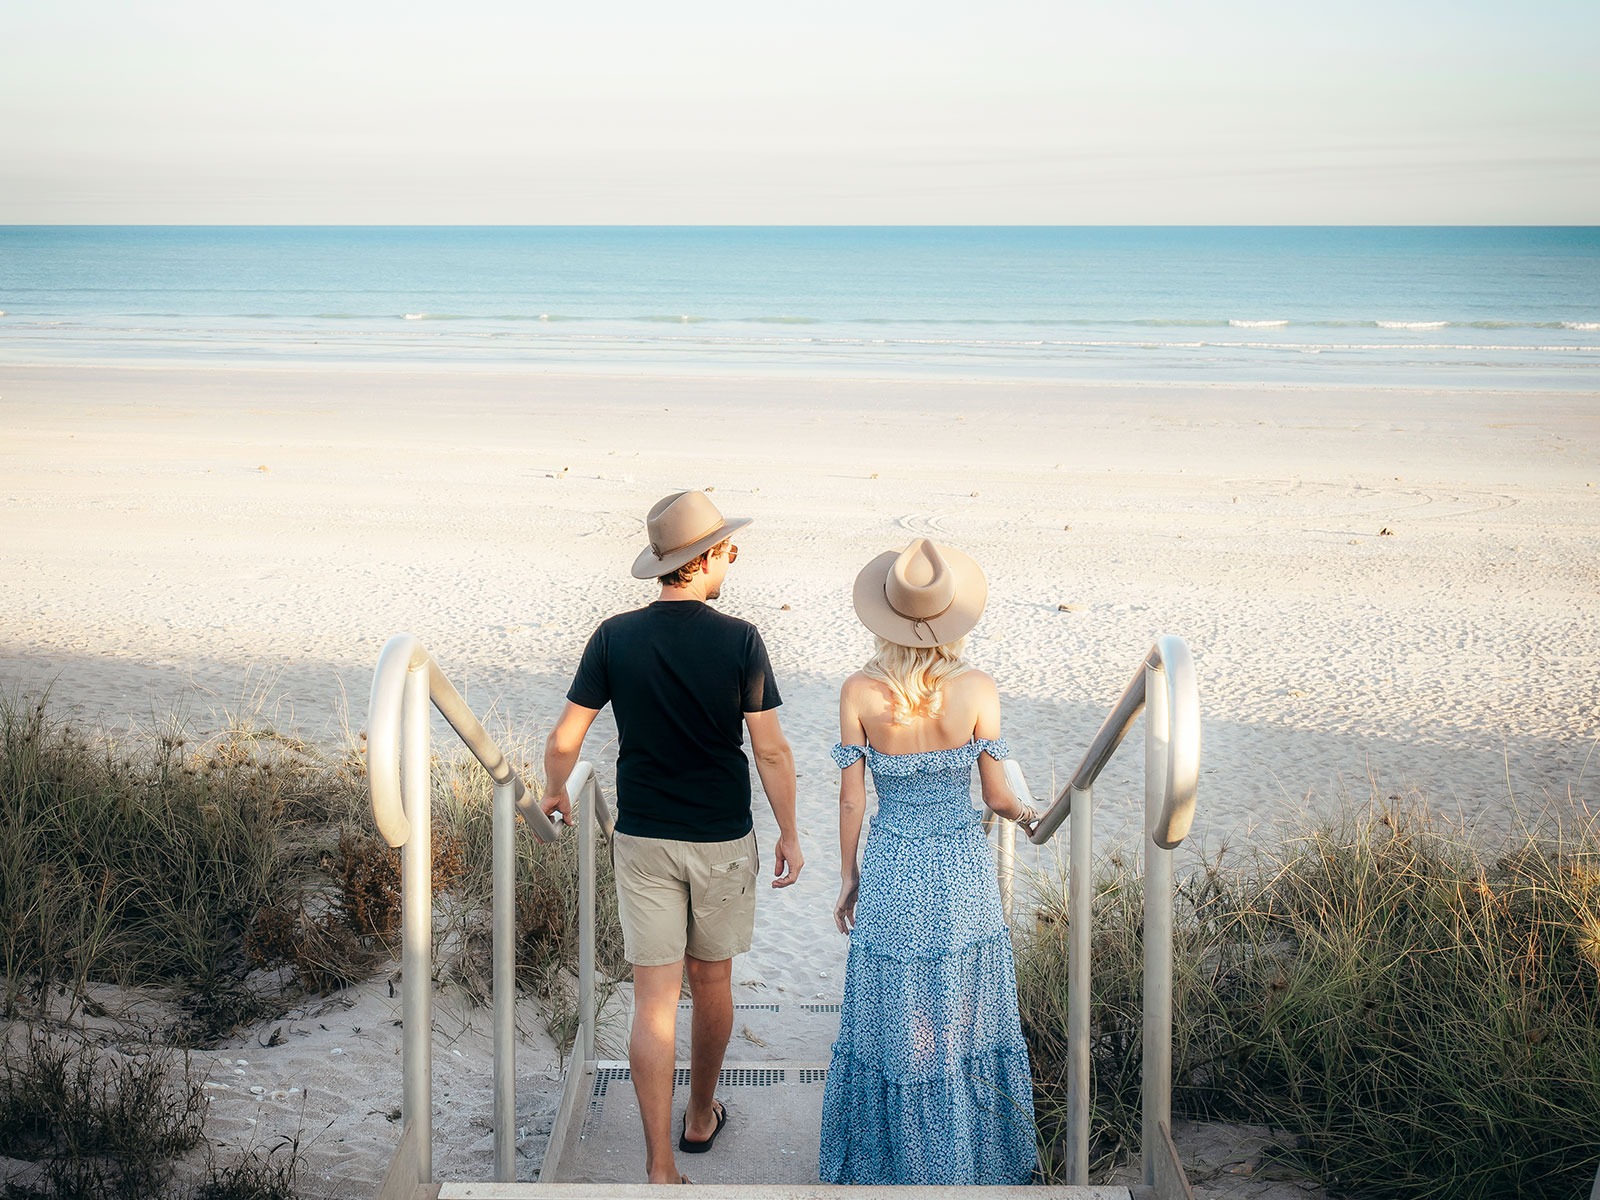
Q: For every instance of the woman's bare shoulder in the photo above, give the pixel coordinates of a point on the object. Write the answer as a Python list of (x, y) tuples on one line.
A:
[(861, 691), (857, 683), (975, 683), (974, 693)]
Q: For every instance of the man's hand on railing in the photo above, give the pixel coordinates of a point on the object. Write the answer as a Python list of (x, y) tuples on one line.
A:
[(529, 809), (557, 805)]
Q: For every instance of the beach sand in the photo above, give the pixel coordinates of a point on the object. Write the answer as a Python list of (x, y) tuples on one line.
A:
[(1385, 592)]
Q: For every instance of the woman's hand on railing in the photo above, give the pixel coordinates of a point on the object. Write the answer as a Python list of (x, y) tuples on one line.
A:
[(1026, 817)]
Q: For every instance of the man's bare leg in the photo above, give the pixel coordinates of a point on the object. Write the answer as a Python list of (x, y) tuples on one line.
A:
[(711, 985), (653, 1057)]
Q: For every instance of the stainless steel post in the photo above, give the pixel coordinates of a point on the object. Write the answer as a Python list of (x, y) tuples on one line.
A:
[(1006, 837), (1080, 890), (416, 885), (1157, 927), (588, 817), (1005, 833), (505, 983)]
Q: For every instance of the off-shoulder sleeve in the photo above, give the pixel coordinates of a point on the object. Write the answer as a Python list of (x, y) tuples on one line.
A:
[(847, 755), (995, 748)]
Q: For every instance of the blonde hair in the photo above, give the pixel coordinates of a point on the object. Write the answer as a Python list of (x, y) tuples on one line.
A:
[(916, 675)]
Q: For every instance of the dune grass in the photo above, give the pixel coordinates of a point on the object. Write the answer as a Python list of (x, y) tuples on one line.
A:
[(233, 873), (1418, 1008), (141, 865), (97, 1122)]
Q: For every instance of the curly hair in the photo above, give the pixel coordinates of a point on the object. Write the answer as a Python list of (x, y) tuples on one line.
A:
[(693, 567), (915, 675), (683, 574)]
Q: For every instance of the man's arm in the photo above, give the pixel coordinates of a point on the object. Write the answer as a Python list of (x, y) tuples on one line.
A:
[(775, 765), (561, 755)]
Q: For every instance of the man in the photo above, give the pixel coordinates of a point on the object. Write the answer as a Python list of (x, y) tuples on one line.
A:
[(684, 683)]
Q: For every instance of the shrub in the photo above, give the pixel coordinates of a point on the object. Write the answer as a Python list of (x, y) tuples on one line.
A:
[(1423, 1013), (100, 1124), (159, 862)]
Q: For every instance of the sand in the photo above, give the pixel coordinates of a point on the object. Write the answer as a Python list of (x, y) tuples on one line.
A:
[(1385, 592)]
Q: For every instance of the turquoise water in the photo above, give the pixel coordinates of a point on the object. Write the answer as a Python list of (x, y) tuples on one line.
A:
[(1460, 307)]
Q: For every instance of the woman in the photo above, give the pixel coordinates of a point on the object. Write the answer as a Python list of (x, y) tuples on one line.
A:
[(929, 1082)]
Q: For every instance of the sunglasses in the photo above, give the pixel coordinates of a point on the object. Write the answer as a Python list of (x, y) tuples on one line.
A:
[(732, 553)]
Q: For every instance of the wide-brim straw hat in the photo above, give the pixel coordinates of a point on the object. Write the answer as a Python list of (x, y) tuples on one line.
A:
[(924, 595), (681, 527)]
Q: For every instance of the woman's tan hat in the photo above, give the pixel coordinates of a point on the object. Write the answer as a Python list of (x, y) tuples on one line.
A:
[(681, 527), (924, 595)]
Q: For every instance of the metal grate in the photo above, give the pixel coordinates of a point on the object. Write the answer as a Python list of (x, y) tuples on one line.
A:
[(605, 1077), (772, 1008), (739, 1076)]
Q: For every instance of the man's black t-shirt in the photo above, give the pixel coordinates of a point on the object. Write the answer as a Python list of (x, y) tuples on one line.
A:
[(679, 677)]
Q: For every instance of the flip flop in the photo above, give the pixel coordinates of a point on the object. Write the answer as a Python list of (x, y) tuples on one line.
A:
[(689, 1147)]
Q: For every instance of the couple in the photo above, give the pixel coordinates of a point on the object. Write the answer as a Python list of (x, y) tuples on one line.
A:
[(929, 1082)]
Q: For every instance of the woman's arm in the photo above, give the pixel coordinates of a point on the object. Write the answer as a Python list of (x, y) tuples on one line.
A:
[(997, 794), (852, 811)]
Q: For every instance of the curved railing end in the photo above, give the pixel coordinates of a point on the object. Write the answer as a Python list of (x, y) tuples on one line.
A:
[(399, 656), (1171, 654)]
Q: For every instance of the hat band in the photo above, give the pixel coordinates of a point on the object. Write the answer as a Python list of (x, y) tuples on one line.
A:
[(916, 621), (706, 532)]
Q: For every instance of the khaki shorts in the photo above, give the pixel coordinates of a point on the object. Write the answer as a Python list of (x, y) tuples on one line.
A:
[(678, 898)]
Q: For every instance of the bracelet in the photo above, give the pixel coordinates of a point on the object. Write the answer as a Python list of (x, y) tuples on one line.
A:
[(1025, 816)]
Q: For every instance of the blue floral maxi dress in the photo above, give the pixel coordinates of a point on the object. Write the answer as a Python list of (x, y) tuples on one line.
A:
[(929, 1082)]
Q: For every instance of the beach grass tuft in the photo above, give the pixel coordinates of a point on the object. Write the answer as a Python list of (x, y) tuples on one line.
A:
[(1416, 1007), (141, 864), (96, 1122), (210, 869)]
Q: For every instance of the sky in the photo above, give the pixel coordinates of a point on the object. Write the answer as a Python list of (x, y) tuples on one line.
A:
[(824, 112)]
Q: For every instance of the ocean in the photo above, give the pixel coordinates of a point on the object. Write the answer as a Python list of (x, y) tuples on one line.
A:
[(1496, 308)]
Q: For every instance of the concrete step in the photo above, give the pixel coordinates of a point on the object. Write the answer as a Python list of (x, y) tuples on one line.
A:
[(767, 1149), (757, 1191), (774, 1122)]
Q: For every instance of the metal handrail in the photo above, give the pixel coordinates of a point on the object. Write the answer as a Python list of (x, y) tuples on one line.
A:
[(402, 656), (587, 799), (584, 788), (398, 763), (398, 772), (1164, 688), (1170, 658)]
